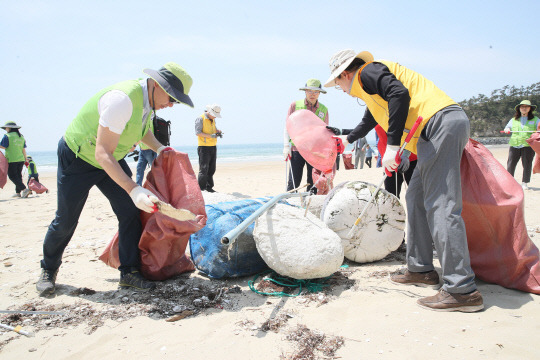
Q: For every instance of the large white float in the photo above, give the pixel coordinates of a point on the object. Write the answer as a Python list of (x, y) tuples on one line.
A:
[(381, 230), (297, 244)]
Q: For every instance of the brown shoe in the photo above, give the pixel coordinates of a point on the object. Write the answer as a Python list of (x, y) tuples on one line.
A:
[(445, 301), (423, 279)]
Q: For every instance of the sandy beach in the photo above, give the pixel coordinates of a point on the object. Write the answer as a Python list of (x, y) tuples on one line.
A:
[(361, 314)]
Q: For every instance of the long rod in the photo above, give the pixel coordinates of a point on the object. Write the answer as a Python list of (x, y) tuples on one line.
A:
[(234, 233)]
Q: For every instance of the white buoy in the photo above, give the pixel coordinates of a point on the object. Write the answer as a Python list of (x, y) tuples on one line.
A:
[(381, 230)]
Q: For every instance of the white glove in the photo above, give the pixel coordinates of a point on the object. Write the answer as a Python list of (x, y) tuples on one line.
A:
[(287, 152), (507, 131), (163, 147), (389, 159), (143, 198)]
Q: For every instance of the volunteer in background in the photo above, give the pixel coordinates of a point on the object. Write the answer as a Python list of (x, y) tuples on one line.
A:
[(312, 89), (92, 152), (395, 97), (32, 170), (146, 157), (359, 152), (207, 134), (14, 145), (522, 125)]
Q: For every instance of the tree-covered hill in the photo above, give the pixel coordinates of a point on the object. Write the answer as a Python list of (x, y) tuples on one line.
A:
[(489, 115)]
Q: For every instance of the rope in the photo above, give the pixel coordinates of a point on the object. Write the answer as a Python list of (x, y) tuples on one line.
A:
[(311, 285)]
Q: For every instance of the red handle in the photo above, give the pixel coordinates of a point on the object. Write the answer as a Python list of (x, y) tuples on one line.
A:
[(407, 139)]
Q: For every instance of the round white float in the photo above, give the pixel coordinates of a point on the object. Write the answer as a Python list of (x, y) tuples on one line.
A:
[(382, 228)]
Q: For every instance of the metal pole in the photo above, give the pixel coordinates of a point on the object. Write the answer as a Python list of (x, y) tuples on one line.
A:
[(234, 233)]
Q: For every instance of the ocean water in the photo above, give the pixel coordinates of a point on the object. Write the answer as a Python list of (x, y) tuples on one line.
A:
[(46, 161)]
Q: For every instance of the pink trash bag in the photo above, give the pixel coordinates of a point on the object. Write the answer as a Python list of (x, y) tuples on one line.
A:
[(534, 142), (312, 139), (164, 240), (37, 187), (500, 248), (3, 170)]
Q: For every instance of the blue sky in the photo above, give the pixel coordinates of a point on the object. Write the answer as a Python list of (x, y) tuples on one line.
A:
[(250, 57)]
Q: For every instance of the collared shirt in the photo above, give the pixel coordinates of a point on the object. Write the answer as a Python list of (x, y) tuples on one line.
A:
[(310, 107)]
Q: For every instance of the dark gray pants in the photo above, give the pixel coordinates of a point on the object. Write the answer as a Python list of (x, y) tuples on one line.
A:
[(434, 202), (526, 154), (207, 166)]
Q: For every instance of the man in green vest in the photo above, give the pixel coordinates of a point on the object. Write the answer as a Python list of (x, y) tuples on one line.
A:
[(92, 152), (14, 145), (312, 89), (395, 97)]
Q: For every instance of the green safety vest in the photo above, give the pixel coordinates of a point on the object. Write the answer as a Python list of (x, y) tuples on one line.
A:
[(320, 112), (30, 171), (81, 134), (141, 145), (14, 151), (519, 138)]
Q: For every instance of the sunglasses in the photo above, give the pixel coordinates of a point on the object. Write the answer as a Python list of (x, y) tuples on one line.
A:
[(173, 100)]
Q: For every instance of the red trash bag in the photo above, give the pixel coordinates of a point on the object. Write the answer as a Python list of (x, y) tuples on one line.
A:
[(37, 187), (3, 170), (347, 161), (164, 240), (534, 142), (312, 139), (500, 248), (323, 182)]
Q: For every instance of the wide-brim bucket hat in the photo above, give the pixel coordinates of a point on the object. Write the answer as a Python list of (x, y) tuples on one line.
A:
[(341, 60), (11, 124), (525, 102), (313, 84), (214, 110), (174, 80)]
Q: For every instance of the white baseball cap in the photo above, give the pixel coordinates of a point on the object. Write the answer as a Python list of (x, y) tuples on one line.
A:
[(214, 110), (341, 60)]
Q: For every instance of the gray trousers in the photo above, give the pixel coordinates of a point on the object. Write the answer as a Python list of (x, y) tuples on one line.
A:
[(434, 202), (359, 157)]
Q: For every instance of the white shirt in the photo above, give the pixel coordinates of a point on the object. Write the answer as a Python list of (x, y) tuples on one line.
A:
[(115, 109)]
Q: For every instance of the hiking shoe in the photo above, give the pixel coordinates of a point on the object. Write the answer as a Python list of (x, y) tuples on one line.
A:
[(135, 281), (423, 279), (445, 301), (46, 282), (25, 193)]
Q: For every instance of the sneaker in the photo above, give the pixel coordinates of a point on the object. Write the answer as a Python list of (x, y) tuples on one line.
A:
[(135, 281), (25, 193), (525, 186), (210, 190), (46, 282), (16, 195), (423, 279), (445, 301)]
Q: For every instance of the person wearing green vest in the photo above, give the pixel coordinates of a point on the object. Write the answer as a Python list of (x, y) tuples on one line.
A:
[(312, 89), (207, 134), (522, 126), (14, 145), (91, 153), (32, 170), (146, 157), (395, 97)]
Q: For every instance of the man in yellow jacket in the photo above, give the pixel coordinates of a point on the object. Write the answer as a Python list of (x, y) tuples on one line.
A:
[(207, 134), (395, 96)]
